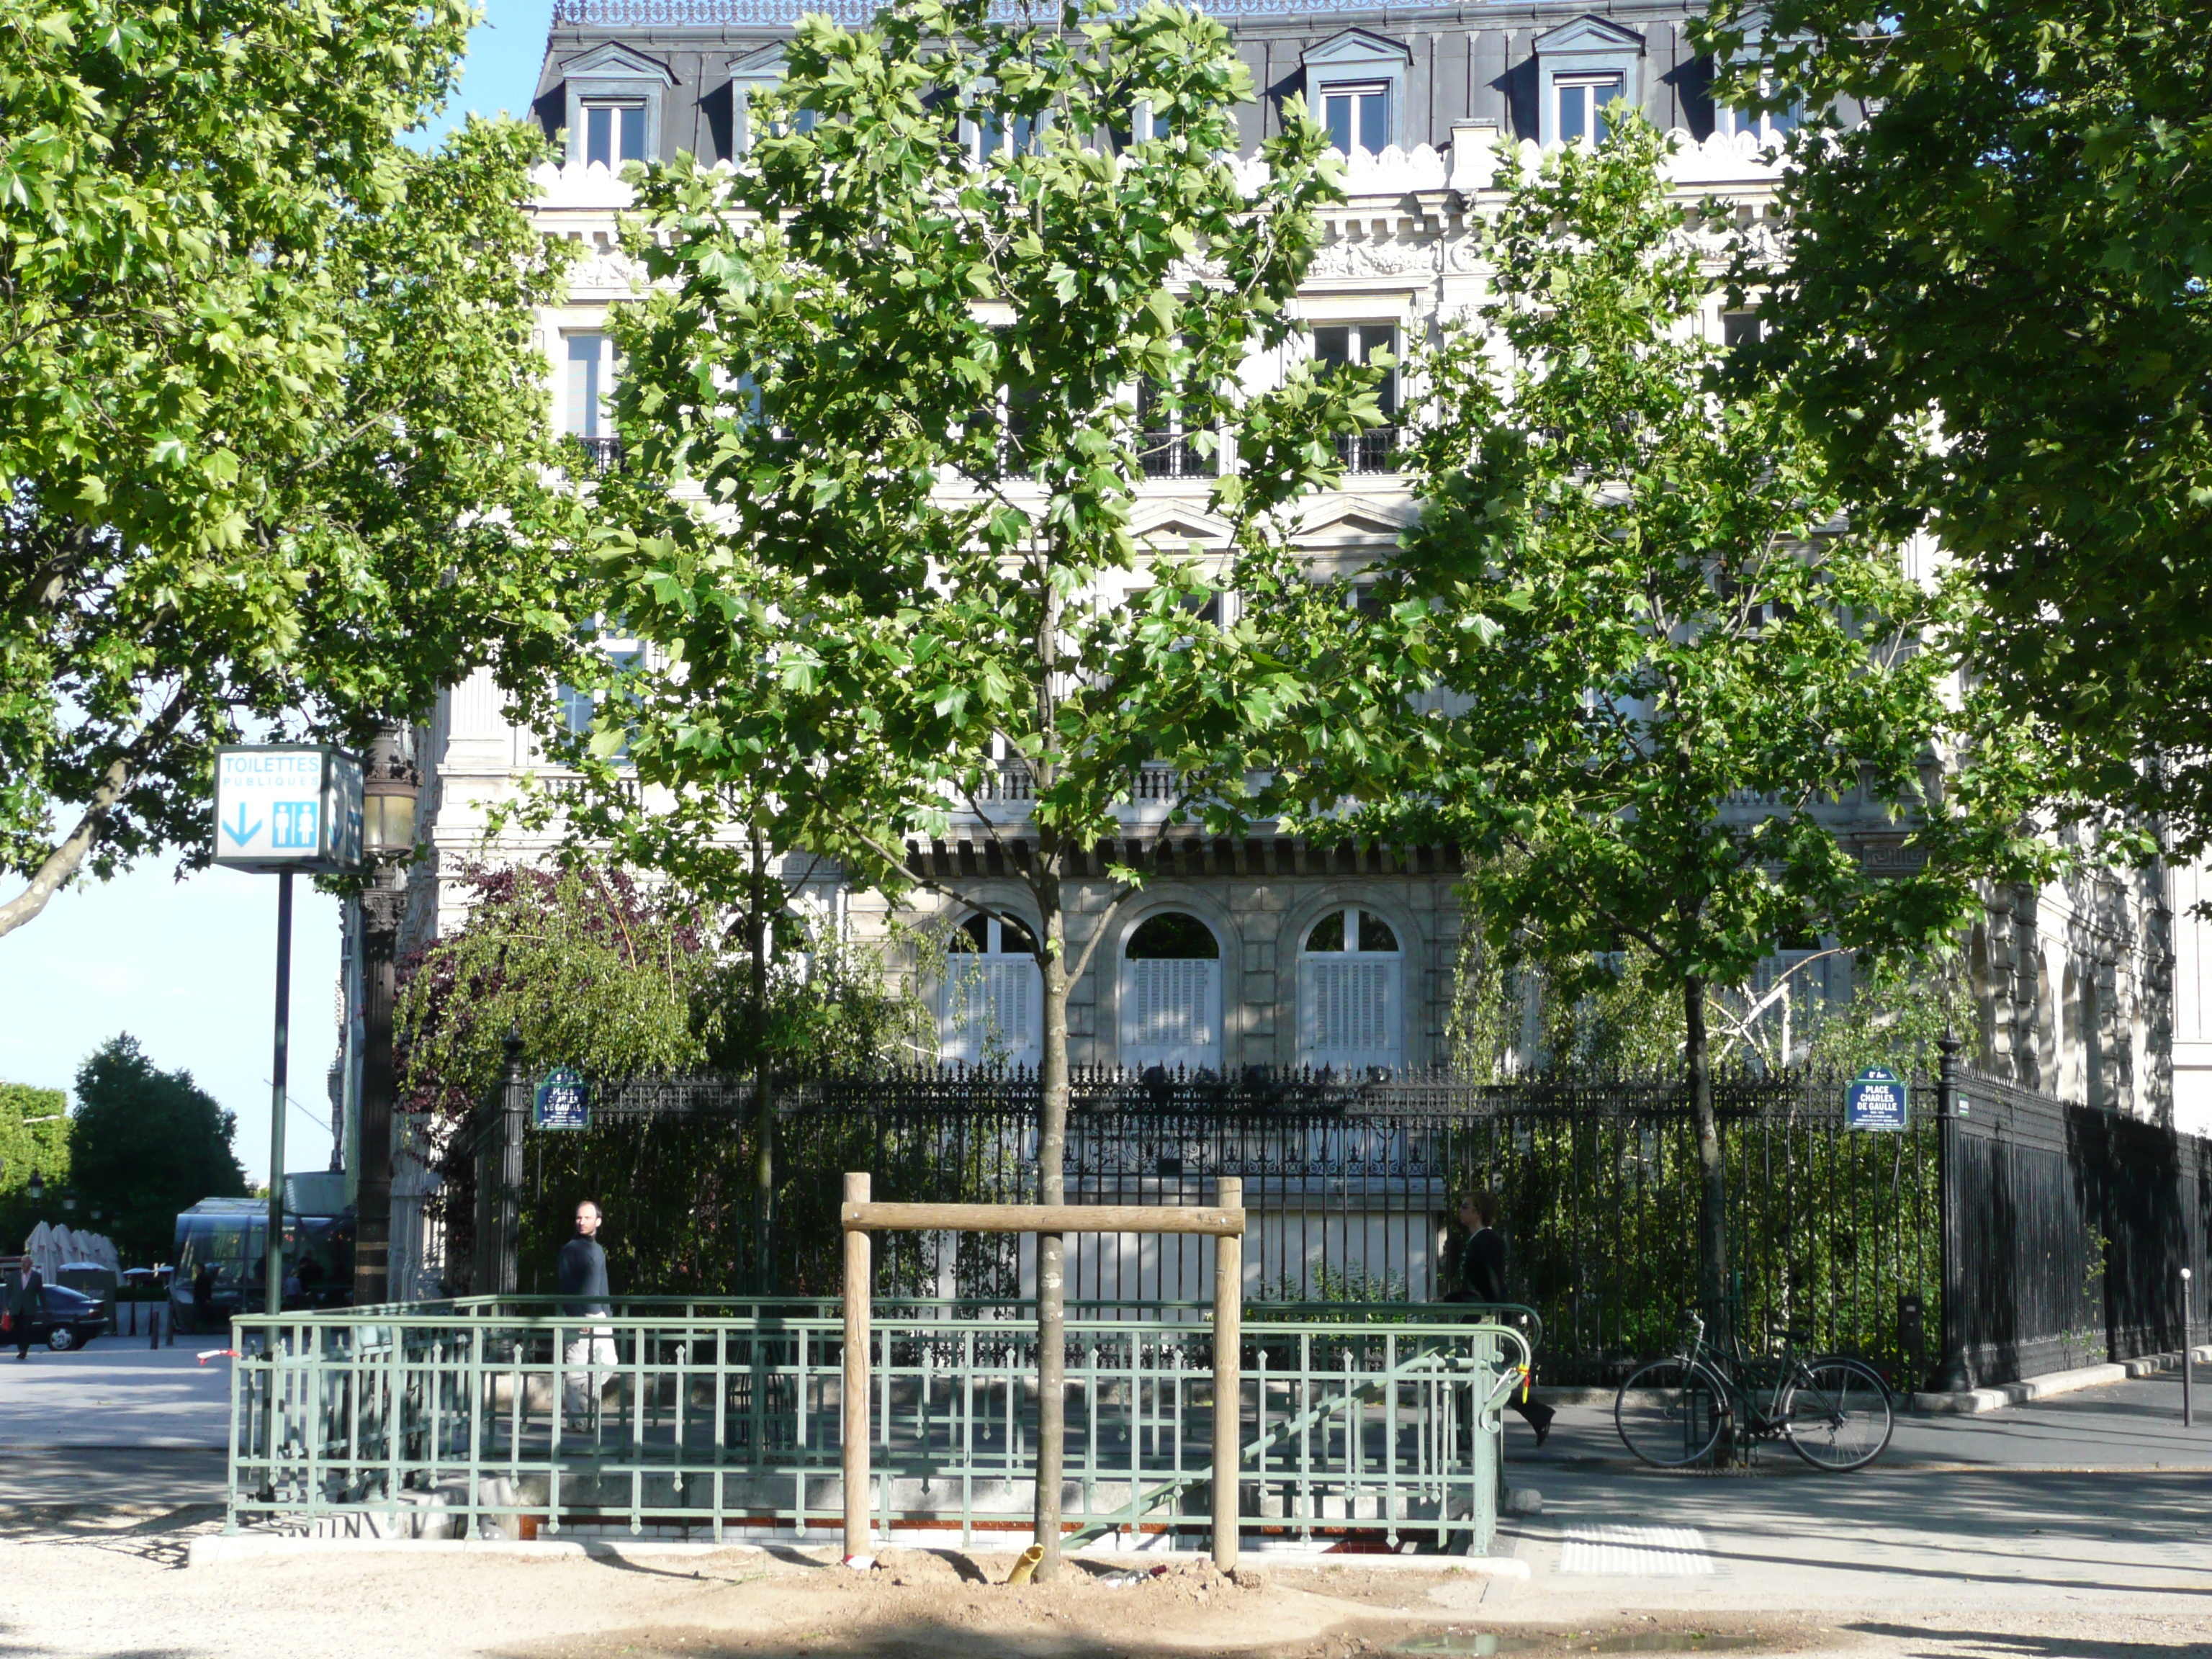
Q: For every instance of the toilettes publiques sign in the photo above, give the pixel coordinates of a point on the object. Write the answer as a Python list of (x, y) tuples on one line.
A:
[(288, 807)]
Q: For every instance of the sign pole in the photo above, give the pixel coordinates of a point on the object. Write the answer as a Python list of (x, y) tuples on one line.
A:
[(279, 1063)]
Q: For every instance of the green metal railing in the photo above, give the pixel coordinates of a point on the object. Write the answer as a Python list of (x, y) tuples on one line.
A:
[(709, 1413)]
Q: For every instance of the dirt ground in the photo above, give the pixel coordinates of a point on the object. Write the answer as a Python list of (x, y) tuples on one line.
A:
[(958, 1606), (116, 1586)]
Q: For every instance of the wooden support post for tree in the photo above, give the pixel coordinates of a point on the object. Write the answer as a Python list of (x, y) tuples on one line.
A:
[(1223, 1222), (859, 1293), (1228, 1379)]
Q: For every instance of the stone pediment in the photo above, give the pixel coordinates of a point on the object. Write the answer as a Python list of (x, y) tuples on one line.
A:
[(1166, 526), (1355, 46), (616, 62), (1355, 521), (1588, 33)]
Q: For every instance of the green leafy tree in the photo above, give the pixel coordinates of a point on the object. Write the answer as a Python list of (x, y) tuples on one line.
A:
[(271, 419), (593, 970), (1993, 310), (33, 1141), (912, 356), (146, 1144), (1688, 705)]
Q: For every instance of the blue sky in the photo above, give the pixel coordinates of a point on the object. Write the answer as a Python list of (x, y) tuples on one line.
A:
[(189, 968)]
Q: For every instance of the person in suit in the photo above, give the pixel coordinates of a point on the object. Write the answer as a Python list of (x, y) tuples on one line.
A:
[(27, 1306), (1482, 1280)]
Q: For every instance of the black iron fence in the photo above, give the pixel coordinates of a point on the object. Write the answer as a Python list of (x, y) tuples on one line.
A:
[(2067, 1225), (2070, 1225)]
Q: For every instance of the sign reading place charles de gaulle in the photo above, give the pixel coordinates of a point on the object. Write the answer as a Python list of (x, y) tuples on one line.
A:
[(288, 807), (563, 1100), (1877, 1098)]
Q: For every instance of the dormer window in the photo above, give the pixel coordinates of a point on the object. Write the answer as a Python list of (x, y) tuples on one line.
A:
[(1769, 127), (614, 106), (989, 133), (1582, 100), (614, 133), (750, 76), (1355, 86), (1583, 69), (1356, 114)]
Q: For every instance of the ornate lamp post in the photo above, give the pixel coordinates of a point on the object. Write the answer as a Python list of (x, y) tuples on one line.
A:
[(390, 784)]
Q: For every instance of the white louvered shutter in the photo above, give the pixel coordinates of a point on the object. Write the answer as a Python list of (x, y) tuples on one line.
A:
[(1167, 1012), (1351, 1010)]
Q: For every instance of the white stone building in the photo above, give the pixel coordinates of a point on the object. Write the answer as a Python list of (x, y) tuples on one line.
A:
[(1268, 951)]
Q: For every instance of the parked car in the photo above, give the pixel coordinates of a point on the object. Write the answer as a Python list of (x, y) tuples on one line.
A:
[(70, 1319)]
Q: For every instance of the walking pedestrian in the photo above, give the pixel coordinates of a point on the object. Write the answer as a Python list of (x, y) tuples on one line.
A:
[(1482, 1279), (26, 1306), (587, 1356)]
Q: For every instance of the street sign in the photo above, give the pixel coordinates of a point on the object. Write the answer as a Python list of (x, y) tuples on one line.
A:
[(563, 1100), (288, 807), (1877, 1098)]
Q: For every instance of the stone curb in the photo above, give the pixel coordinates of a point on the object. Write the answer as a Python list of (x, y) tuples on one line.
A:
[(214, 1549), (1974, 1401)]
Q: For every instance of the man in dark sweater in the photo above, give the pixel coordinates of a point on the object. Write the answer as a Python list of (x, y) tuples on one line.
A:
[(587, 1356), (1482, 1279)]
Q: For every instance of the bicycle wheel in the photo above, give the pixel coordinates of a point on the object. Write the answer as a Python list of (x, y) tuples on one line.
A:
[(1836, 1415), (1671, 1413)]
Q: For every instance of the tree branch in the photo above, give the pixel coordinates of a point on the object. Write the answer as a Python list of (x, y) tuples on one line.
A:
[(66, 859)]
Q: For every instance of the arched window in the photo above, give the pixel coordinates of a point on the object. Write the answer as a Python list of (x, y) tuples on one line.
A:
[(1171, 994), (1350, 987), (993, 995)]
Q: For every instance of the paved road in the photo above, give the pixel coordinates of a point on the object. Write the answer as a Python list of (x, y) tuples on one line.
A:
[(112, 1393), (2093, 1506)]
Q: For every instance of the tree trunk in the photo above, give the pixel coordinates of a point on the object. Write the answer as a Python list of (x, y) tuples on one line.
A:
[(1713, 1190), (1052, 1255), (763, 1097)]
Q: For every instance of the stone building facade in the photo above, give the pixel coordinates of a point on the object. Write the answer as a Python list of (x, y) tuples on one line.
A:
[(1267, 951)]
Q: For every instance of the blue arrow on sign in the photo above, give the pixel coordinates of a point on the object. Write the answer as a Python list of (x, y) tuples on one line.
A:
[(241, 832)]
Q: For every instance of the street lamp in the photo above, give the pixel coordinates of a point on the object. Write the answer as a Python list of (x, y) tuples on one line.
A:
[(36, 1189), (390, 784)]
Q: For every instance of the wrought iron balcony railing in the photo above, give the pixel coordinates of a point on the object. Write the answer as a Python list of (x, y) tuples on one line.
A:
[(604, 455), (1374, 450)]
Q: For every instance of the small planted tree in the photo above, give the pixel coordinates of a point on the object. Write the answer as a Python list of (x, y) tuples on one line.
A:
[(1691, 711), (914, 356)]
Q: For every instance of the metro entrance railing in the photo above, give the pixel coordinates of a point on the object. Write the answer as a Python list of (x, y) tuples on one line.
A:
[(725, 1416)]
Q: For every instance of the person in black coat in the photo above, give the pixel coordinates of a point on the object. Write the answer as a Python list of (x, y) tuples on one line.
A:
[(1482, 1279), (26, 1306), (588, 1354)]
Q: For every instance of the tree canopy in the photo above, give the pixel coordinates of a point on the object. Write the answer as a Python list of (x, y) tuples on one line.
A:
[(1992, 307), (1689, 712), (146, 1144), (270, 415)]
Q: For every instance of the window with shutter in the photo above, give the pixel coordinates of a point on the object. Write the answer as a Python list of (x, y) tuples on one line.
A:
[(1351, 976), (1171, 994), (993, 997)]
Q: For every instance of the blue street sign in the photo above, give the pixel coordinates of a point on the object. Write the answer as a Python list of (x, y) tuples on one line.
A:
[(563, 1100), (288, 807), (1877, 1098)]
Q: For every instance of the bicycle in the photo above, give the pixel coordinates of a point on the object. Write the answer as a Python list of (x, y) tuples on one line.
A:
[(1834, 1411)]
